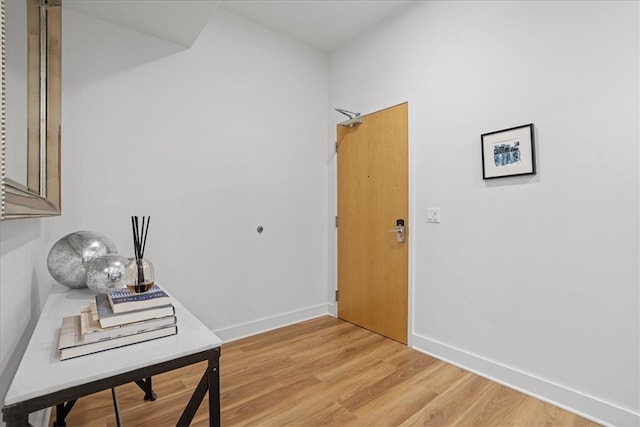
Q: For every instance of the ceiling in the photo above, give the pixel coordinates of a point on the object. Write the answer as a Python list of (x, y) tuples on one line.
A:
[(323, 24)]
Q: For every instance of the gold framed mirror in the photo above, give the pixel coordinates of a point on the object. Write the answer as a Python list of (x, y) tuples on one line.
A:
[(34, 190)]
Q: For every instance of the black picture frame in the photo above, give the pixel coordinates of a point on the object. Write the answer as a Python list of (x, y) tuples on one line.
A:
[(508, 152)]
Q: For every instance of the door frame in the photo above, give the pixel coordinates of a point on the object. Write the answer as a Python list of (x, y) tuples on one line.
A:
[(414, 218)]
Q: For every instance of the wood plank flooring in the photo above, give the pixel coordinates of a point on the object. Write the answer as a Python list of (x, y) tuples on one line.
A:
[(326, 372)]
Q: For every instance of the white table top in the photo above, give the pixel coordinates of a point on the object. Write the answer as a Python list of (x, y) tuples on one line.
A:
[(41, 371)]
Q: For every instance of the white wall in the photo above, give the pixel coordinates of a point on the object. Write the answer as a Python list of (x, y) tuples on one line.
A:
[(532, 281), (211, 141)]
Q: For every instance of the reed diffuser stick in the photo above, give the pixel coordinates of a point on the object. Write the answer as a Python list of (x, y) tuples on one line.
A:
[(135, 246), (146, 233), (140, 234)]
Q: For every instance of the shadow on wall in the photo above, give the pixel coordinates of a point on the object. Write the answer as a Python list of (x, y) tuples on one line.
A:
[(20, 241), (107, 49), (14, 360)]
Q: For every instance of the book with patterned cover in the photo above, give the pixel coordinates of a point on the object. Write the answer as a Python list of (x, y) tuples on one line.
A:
[(122, 299)]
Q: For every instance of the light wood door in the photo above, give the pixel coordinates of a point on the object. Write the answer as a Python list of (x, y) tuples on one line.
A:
[(372, 196)]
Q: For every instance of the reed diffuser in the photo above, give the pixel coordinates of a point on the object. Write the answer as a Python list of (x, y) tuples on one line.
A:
[(140, 277)]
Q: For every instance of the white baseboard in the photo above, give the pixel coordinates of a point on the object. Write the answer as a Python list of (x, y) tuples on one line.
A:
[(258, 326), (586, 406)]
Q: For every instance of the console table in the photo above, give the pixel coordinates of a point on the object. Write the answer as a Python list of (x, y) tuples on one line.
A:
[(42, 380)]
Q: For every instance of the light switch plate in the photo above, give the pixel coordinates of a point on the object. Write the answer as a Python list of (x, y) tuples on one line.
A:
[(433, 215)]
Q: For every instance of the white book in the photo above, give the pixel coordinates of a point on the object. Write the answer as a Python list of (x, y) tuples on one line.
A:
[(108, 318), (93, 331), (71, 343)]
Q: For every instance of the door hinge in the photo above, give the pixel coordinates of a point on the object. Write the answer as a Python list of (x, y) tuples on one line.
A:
[(336, 144), (336, 221), (336, 295)]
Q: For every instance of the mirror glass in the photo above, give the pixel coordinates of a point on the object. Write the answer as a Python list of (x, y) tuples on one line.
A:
[(31, 48), (16, 90)]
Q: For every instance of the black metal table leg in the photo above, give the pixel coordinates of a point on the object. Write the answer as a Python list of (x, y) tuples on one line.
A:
[(213, 373), (146, 386), (194, 402), (62, 410), (210, 382), (116, 407)]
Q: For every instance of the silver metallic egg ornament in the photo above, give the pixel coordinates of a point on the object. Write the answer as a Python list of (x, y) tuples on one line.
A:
[(107, 272), (68, 258)]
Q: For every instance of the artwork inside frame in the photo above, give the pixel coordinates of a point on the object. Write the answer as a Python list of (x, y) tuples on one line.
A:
[(508, 152)]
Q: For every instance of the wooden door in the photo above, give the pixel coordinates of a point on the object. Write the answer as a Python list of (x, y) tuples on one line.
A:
[(372, 195)]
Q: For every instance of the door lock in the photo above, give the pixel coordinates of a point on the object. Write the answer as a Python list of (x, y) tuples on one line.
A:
[(401, 235)]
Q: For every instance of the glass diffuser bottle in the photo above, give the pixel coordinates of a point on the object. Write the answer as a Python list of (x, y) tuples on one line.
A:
[(140, 277)]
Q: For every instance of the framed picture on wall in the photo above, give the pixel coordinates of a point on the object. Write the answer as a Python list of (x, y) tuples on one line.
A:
[(508, 152)]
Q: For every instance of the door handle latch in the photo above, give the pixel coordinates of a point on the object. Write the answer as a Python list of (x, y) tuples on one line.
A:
[(401, 235)]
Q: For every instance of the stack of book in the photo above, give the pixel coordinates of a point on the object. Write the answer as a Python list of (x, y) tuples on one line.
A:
[(117, 319)]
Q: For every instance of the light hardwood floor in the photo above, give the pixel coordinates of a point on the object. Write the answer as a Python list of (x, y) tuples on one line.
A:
[(326, 372)]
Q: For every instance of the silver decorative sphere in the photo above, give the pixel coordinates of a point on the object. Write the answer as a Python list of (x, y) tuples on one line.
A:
[(107, 272), (69, 256)]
